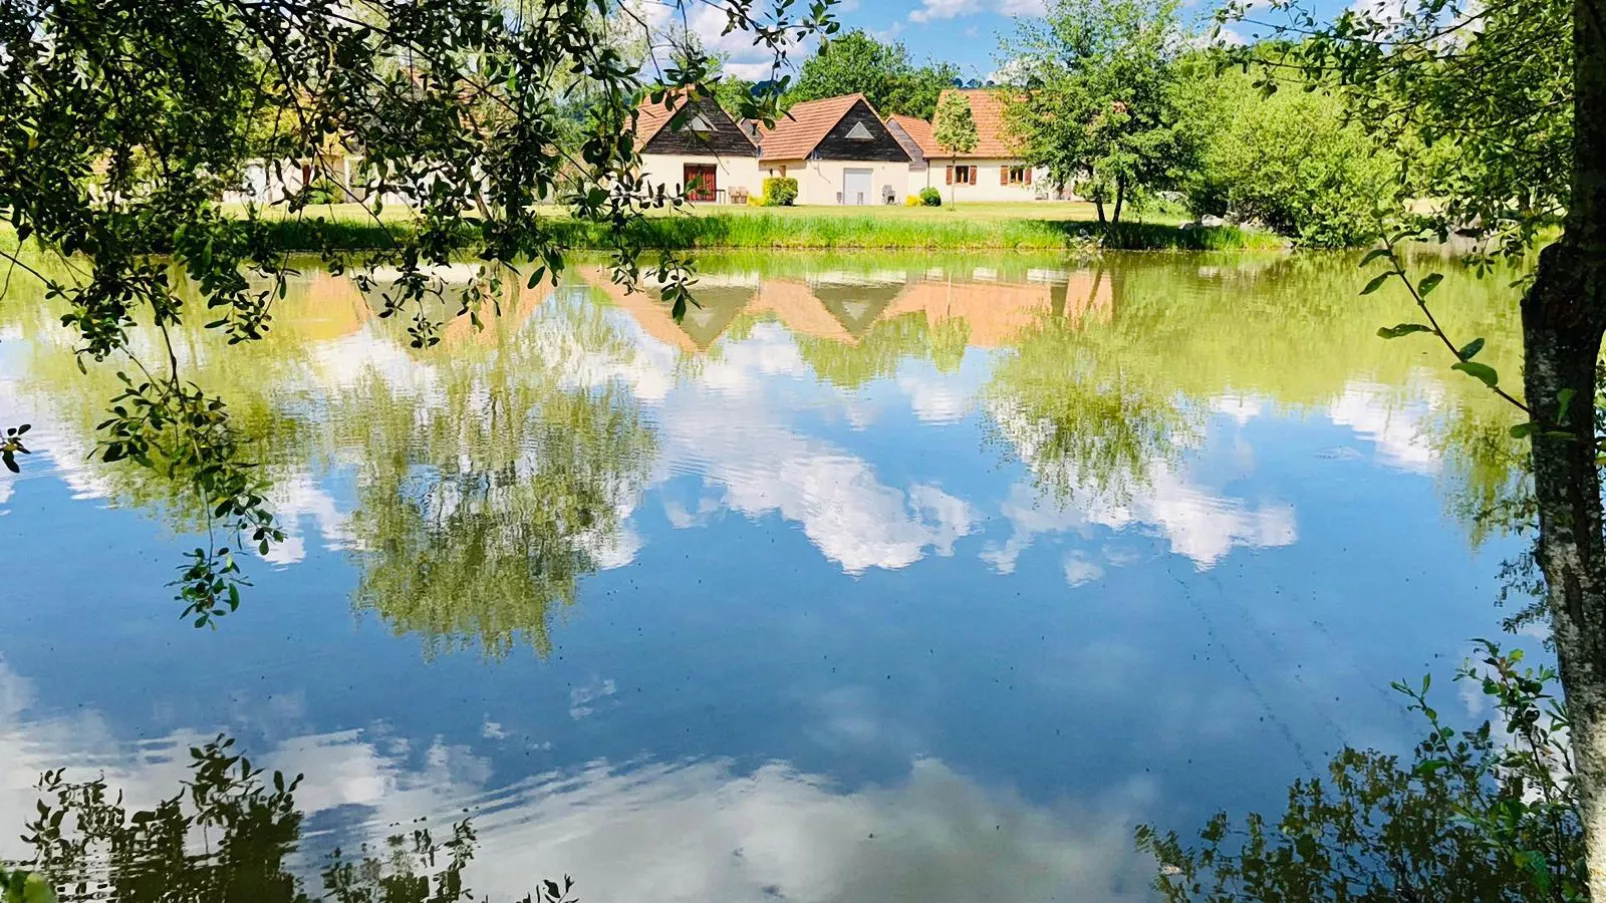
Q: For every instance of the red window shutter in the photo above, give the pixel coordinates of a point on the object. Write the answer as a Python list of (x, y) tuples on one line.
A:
[(950, 175), (1028, 175), (1003, 175), (974, 171)]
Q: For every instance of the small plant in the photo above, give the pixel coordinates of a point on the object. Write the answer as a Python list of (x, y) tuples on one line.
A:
[(913, 200), (1485, 814), (780, 192), (931, 197)]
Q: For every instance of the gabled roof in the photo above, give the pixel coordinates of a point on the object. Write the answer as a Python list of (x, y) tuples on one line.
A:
[(804, 126), (919, 131), (992, 135), (651, 118)]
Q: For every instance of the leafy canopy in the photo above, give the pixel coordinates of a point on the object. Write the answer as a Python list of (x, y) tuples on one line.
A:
[(856, 63), (1099, 105)]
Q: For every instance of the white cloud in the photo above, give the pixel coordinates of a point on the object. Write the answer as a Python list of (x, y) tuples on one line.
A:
[(1080, 569), (1397, 429), (936, 10), (674, 831)]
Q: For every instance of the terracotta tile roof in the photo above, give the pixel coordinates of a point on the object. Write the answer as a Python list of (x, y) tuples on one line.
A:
[(919, 132), (796, 134), (987, 108)]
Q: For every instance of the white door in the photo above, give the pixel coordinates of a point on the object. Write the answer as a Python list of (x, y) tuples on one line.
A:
[(858, 187)]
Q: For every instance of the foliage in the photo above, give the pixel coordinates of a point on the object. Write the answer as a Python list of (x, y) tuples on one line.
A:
[(482, 510), (94, 847), (1098, 102), (780, 191), (955, 127), (1475, 99), (123, 122), (913, 200), (854, 62), (930, 197), (1490, 814), (1290, 160)]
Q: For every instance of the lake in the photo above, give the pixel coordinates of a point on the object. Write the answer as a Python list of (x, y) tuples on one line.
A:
[(878, 577)]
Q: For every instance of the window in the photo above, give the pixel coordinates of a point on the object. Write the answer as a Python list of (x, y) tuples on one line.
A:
[(962, 175), (700, 123), (859, 133), (1016, 175)]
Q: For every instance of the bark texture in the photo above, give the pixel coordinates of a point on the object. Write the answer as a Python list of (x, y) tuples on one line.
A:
[(1563, 319)]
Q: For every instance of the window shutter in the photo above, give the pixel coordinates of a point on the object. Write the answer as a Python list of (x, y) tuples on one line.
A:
[(1003, 175), (1028, 175), (974, 171), (950, 175)]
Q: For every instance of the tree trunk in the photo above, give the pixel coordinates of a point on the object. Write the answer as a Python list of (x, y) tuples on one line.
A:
[(1098, 203), (1563, 319), (1120, 197)]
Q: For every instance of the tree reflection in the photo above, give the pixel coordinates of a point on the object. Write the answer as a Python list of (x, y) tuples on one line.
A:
[(485, 496), (231, 833)]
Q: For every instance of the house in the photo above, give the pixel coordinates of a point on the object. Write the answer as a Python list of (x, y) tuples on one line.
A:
[(840, 152), (696, 148), (995, 170)]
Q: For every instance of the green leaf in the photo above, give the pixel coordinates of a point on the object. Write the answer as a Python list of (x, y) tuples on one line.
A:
[(1394, 332), (1564, 400), (1376, 283), (1429, 283), (1471, 350), (1482, 372), (1374, 254), (1521, 430)]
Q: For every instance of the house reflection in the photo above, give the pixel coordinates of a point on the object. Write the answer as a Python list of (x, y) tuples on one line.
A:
[(846, 308)]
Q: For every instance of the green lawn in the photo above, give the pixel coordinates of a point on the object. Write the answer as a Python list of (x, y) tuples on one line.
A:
[(1024, 226)]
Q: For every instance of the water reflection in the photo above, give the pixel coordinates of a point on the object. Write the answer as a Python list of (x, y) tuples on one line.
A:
[(986, 558)]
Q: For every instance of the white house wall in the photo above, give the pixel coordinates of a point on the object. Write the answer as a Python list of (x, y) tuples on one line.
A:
[(669, 170), (935, 175), (819, 182)]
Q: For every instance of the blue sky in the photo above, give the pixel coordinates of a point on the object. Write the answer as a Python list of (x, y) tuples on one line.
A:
[(963, 32)]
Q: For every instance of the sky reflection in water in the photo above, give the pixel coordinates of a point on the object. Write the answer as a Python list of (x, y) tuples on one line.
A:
[(876, 578)]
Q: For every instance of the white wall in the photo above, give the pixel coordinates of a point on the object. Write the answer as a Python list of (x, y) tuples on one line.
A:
[(669, 170), (986, 188), (820, 181)]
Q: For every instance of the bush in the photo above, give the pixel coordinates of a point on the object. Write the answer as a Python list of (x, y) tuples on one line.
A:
[(1289, 161), (913, 200), (780, 192), (931, 197)]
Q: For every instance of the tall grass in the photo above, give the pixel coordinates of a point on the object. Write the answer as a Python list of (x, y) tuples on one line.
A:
[(801, 230)]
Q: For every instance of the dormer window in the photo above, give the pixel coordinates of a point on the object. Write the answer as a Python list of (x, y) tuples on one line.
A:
[(860, 133)]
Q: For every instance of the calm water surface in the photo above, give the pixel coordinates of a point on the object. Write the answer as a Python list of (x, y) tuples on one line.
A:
[(877, 578)]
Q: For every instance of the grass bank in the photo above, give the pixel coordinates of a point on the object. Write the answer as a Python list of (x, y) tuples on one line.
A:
[(1042, 226), (1032, 226)]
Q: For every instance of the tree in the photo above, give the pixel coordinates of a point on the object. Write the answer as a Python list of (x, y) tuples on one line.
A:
[(123, 122), (1098, 97), (1507, 102), (1289, 160), (856, 63), (955, 129)]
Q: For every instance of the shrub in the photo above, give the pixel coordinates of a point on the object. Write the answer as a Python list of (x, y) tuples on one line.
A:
[(1289, 161), (780, 192), (931, 197), (913, 200)]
